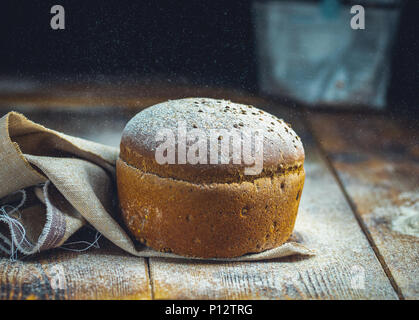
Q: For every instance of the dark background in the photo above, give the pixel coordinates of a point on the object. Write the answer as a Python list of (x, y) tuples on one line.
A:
[(202, 42)]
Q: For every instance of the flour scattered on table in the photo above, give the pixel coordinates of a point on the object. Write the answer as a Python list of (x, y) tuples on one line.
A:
[(407, 219)]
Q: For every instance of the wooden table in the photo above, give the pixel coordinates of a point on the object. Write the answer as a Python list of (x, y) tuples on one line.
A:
[(362, 184)]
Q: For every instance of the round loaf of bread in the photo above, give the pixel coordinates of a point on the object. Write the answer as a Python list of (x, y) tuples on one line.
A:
[(183, 191)]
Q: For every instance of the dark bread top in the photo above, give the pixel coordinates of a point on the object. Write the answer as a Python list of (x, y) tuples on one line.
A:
[(282, 148)]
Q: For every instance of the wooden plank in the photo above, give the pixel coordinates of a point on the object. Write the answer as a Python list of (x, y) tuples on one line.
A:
[(23, 280), (106, 273), (345, 266), (325, 223), (377, 161)]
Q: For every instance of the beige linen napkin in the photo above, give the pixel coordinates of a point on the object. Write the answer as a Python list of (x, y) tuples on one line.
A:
[(53, 184)]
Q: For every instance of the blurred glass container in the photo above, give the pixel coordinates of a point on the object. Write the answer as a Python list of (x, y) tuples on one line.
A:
[(307, 50)]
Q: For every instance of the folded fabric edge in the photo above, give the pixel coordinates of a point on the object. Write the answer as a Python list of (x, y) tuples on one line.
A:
[(51, 236), (66, 138), (285, 250)]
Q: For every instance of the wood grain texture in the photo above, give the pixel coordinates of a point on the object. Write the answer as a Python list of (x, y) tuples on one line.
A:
[(106, 273), (325, 222), (377, 161)]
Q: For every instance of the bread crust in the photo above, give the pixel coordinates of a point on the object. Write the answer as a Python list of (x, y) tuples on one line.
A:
[(209, 210), (282, 148), (217, 220)]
